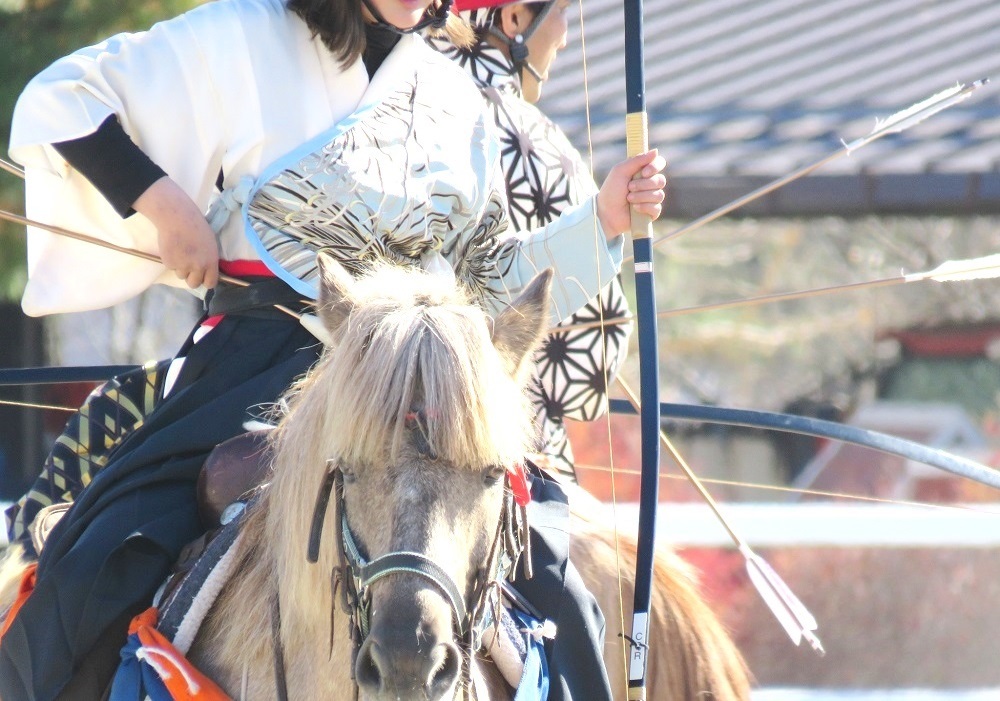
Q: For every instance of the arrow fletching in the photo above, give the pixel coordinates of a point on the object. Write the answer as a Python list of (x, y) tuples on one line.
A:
[(791, 613), (957, 270), (906, 118)]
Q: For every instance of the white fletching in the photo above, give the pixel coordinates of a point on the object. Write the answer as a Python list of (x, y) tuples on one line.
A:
[(904, 119), (791, 613), (958, 270)]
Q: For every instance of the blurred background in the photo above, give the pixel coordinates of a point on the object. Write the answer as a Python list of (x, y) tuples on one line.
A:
[(739, 93)]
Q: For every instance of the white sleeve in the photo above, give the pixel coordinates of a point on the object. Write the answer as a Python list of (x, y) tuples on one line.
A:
[(157, 84), (574, 246)]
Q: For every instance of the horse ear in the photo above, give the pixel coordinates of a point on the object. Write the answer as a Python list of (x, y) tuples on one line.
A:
[(519, 328), (335, 292)]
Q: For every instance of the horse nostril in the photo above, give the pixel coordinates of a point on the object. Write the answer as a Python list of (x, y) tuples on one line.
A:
[(368, 669), (446, 661), (411, 670)]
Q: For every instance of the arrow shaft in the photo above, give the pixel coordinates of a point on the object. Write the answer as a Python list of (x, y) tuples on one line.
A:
[(12, 168), (682, 463), (78, 236), (894, 124), (750, 197)]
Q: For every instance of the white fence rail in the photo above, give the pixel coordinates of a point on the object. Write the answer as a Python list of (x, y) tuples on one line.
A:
[(791, 525)]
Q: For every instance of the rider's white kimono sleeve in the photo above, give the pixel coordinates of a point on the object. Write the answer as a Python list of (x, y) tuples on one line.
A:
[(575, 245), (229, 86), (150, 82)]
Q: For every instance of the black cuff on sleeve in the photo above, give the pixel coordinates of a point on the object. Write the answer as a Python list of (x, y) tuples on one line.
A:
[(113, 164)]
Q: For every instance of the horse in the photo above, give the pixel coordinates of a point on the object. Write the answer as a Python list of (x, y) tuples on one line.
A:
[(416, 421)]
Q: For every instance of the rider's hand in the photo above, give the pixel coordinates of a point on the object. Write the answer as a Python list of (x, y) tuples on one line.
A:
[(638, 182), (188, 246)]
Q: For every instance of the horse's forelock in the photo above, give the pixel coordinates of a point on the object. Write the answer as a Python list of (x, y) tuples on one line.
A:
[(412, 339)]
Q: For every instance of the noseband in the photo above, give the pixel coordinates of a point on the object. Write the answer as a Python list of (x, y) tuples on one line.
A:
[(354, 574), (364, 574)]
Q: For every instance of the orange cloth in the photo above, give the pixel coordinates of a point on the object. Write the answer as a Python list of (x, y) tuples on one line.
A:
[(23, 592), (183, 681)]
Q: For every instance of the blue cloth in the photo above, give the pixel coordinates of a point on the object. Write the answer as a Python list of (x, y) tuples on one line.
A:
[(136, 679), (534, 684)]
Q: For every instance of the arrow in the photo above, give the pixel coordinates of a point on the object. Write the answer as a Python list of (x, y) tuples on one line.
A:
[(895, 123), (982, 268), (307, 320), (791, 613)]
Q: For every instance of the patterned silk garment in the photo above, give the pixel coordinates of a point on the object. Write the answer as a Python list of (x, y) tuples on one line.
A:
[(414, 176), (544, 174)]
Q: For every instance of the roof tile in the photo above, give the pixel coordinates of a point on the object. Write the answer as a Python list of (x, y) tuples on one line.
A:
[(757, 87)]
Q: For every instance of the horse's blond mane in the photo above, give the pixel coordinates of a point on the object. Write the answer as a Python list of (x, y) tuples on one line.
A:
[(412, 340)]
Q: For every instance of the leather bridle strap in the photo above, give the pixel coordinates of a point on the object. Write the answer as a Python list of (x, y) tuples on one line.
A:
[(278, 649), (403, 562)]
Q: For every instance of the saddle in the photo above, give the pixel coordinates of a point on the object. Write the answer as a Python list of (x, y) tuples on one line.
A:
[(233, 468)]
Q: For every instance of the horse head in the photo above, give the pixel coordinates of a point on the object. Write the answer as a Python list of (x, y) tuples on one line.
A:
[(412, 419)]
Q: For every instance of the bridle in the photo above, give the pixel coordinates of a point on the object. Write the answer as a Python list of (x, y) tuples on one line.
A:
[(355, 574)]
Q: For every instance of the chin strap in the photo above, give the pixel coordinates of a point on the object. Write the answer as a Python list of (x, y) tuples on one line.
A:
[(435, 19), (518, 47)]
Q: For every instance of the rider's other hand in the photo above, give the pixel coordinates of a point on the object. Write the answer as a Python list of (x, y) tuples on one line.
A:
[(188, 246)]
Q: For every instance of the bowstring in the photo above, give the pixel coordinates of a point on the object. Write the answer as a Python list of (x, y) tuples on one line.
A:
[(604, 350)]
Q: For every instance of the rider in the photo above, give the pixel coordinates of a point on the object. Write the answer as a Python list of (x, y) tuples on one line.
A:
[(245, 90), (515, 44)]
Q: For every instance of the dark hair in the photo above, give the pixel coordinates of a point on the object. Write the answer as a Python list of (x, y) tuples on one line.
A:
[(341, 26), (338, 23)]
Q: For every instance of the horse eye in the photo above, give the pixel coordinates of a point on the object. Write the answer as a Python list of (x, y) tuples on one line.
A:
[(492, 474), (349, 473)]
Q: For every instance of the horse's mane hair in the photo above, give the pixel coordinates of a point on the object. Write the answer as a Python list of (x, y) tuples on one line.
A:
[(412, 341)]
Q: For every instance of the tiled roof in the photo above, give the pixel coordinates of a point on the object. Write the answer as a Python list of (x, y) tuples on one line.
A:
[(740, 92)]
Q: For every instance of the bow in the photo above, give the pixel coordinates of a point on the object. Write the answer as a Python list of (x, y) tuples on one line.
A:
[(793, 616), (790, 612), (637, 141)]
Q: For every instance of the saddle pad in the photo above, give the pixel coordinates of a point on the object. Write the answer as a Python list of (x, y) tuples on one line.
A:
[(182, 613), (515, 644)]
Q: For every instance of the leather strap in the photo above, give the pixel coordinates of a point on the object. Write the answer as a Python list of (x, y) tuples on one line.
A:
[(256, 299)]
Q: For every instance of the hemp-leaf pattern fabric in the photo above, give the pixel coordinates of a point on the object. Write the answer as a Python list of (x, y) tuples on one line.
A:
[(544, 175)]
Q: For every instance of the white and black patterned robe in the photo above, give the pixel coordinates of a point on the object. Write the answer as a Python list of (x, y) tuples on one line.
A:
[(545, 175), (420, 158)]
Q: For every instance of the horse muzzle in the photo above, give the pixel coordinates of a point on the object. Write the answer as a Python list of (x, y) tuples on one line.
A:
[(410, 657)]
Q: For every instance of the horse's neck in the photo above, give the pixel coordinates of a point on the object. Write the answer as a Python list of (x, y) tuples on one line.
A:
[(235, 646)]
